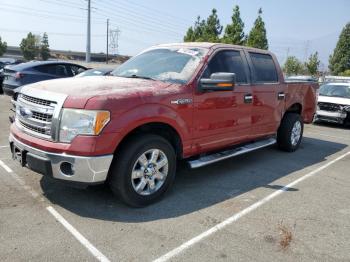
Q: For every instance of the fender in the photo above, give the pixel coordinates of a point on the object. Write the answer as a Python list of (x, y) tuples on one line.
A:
[(129, 120)]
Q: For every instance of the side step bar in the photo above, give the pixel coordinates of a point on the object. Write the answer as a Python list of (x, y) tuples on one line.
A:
[(216, 157)]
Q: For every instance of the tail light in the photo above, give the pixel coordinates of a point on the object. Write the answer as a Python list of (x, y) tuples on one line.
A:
[(18, 75)]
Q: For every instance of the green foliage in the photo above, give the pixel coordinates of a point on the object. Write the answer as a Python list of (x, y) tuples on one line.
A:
[(29, 46), (213, 28), (234, 33), (35, 46), (196, 33), (345, 73), (3, 47), (257, 36), (293, 66), (205, 30), (312, 64), (44, 48), (340, 60)]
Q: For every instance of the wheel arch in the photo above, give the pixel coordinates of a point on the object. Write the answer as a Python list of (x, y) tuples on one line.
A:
[(162, 129)]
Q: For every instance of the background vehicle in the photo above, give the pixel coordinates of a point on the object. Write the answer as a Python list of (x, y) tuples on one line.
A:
[(201, 102), (31, 72), (96, 72), (301, 79), (334, 103), (4, 62)]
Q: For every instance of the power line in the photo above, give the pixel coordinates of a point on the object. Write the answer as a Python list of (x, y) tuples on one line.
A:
[(138, 23), (49, 16), (142, 16), (49, 33), (157, 12)]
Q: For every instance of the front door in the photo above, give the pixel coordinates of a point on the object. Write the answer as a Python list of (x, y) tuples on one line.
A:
[(222, 118)]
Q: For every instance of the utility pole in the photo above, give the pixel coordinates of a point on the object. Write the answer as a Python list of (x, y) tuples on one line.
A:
[(88, 34), (107, 41)]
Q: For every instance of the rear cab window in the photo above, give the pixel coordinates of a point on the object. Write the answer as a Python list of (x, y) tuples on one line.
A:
[(264, 68), (227, 61)]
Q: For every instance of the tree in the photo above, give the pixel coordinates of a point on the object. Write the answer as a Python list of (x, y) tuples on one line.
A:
[(205, 30), (293, 66), (312, 64), (234, 33), (3, 47), (196, 33), (212, 28), (30, 46), (257, 36), (44, 47), (340, 60), (345, 73)]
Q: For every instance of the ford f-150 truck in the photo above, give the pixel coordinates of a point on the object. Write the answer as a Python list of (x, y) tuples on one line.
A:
[(200, 102)]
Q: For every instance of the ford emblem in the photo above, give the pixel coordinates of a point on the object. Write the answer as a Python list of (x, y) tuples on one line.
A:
[(25, 112)]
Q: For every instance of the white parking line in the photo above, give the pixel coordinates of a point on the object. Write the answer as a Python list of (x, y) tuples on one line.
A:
[(8, 170), (330, 136), (4, 146), (244, 212), (91, 248)]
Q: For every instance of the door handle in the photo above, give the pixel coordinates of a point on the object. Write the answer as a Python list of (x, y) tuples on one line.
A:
[(281, 96), (248, 98)]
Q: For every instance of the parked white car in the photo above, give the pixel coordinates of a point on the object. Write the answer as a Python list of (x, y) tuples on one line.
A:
[(334, 103)]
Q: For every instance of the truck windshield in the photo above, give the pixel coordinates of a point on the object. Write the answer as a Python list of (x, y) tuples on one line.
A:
[(175, 65), (335, 91)]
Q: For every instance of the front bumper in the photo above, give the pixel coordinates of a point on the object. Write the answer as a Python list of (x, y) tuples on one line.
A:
[(70, 168), (333, 117)]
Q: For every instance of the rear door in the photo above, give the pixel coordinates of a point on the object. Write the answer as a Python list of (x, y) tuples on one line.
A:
[(222, 118), (268, 97)]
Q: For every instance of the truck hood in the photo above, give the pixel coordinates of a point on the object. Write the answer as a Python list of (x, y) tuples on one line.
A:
[(334, 100), (79, 90)]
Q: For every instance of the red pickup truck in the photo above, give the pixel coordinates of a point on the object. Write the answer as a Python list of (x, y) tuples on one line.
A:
[(200, 102)]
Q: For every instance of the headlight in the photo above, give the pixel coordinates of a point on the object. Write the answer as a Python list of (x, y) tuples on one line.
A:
[(81, 122)]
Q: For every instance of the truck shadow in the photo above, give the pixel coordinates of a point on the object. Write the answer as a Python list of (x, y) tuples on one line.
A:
[(196, 189)]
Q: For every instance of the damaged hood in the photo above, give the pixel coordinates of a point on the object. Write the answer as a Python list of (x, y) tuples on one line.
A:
[(96, 85), (81, 89), (334, 100)]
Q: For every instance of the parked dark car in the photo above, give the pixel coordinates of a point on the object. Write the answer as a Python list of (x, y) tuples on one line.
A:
[(35, 71), (96, 72), (4, 62)]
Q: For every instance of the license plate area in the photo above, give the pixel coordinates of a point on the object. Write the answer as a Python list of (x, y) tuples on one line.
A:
[(19, 154)]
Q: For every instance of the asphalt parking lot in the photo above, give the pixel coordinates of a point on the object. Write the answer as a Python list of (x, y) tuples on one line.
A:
[(264, 206)]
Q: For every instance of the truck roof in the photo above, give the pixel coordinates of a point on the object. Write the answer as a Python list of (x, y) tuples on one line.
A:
[(208, 45)]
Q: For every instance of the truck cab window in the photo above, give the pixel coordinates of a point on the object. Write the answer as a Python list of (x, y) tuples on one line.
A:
[(264, 68), (227, 62)]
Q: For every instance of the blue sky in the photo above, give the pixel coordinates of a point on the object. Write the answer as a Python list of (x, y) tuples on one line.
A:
[(296, 27)]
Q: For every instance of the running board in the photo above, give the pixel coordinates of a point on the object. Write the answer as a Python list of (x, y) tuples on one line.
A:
[(216, 157)]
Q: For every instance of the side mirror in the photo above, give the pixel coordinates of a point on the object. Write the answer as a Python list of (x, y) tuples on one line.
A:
[(218, 82)]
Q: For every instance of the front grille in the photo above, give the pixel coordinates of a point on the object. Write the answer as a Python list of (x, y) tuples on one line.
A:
[(35, 100), (42, 117), (329, 107), (34, 128), (34, 115)]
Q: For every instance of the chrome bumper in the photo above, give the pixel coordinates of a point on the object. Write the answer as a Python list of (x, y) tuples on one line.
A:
[(334, 117), (84, 169)]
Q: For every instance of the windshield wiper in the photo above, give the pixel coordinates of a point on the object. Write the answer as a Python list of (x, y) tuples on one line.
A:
[(141, 77)]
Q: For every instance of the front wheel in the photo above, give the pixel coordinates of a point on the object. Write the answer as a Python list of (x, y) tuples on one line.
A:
[(143, 170), (290, 132)]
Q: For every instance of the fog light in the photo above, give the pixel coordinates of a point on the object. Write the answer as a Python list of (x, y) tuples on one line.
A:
[(67, 168)]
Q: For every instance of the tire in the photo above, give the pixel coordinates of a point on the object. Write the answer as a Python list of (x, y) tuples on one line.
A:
[(128, 162), (290, 132)]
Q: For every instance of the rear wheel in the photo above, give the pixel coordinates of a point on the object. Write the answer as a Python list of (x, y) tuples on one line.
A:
[(143, 171), (290, 132)]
